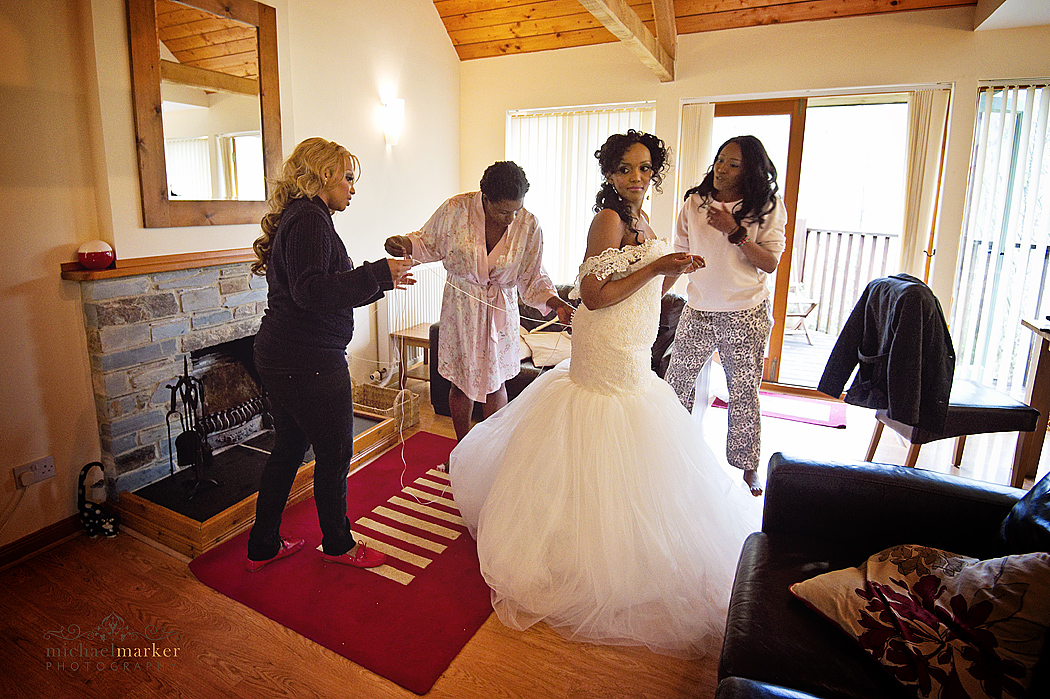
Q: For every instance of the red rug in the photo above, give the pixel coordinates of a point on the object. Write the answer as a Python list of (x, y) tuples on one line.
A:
[(809, 410), (406, 620)]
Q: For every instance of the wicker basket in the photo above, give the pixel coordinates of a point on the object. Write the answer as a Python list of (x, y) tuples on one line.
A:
[(402, 406)]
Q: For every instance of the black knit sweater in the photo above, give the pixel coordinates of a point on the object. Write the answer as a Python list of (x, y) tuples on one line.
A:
[(313, 289)]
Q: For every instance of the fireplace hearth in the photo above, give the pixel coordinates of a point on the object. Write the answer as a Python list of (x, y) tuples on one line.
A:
[(147, 320), (141, 331)]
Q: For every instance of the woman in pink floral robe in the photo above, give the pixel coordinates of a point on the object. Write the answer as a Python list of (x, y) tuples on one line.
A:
[(491, 248)]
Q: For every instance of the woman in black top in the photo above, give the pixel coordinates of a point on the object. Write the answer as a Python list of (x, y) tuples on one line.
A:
[(300, 349)]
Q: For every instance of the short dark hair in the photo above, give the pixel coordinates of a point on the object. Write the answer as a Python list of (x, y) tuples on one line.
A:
[(504, 181)]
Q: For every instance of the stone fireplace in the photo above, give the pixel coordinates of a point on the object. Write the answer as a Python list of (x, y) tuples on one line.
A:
[(145, 322)]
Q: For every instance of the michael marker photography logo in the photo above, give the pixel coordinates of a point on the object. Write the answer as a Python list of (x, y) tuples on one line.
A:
[(111, 646)]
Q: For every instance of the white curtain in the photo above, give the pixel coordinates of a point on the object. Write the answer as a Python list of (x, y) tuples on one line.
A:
[(189, 168), (227, 168), (695, 149), (556, 149), (1005, 249), (927, 115)]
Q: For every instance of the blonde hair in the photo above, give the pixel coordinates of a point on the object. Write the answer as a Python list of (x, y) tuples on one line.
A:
[(306, 172)]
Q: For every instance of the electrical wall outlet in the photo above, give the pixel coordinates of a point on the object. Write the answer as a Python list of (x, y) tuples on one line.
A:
[(35, 471)]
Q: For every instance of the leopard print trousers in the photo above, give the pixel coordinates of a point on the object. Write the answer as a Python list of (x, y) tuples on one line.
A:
[(740, 338)]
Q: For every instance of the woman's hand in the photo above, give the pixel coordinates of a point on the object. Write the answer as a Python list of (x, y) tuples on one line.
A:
[(720, 219), (400, 272), (563, 309), (398, 246), (678, 263)]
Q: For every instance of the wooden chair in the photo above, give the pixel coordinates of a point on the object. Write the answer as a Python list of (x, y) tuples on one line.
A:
[(904, 308), (798, 309), (799, 303), (972, 409)]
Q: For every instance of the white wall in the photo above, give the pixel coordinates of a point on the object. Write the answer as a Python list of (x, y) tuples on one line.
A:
[(48, 207), (909, 48), (68, 174), (348, 56)]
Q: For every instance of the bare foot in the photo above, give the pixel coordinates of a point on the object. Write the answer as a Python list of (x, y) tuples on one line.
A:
[(751, 478)]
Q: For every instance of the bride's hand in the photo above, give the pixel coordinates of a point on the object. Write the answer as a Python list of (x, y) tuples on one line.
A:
[(678, 263)]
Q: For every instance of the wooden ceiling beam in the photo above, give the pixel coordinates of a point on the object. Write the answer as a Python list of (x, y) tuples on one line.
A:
[(207, 79), (666, 28), (625, 24)]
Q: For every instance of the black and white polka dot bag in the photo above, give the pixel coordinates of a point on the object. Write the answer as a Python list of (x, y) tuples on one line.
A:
[(94, 516)]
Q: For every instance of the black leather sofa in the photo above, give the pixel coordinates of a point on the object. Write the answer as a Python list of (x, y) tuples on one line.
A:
[(819, 517), (670, 309)]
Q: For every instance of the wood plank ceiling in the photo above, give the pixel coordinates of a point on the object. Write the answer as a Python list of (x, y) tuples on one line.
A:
[(203, 40), (484, 28)]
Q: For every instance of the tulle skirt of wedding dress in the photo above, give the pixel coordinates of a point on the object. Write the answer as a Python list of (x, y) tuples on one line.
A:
[(606, 516)]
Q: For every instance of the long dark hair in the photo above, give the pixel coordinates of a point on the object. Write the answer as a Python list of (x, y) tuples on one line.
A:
[(758, 183), (609, 157)]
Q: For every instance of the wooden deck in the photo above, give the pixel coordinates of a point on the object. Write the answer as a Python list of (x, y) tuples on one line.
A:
[(802, 363)]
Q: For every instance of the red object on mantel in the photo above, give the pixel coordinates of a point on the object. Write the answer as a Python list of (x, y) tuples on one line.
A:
[(95, 254)]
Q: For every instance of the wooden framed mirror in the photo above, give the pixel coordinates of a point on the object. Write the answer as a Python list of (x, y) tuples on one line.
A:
[(162, 207)]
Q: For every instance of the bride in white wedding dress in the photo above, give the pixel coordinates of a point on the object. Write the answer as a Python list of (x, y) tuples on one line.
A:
[(597, 506)]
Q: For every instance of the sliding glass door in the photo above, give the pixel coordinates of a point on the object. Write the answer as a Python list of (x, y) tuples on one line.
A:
[(843, 167), (780, 125)]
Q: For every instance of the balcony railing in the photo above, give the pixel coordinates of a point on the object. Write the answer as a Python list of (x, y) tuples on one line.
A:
[(1000, 288), (833, 267)]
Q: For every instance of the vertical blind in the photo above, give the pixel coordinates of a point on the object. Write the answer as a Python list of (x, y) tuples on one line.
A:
[(556, 149), (1005, 248), (189, 168)]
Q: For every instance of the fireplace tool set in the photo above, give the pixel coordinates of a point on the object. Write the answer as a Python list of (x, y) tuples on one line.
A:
[(191, 445)]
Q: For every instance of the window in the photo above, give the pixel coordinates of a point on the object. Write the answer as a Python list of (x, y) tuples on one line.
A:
[(853, 166), (1005, 248), (556, 149)]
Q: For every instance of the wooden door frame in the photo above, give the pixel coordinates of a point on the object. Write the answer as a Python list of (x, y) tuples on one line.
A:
[(795, 108)]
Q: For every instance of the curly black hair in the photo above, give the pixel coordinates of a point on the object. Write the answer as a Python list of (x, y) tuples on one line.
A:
[(504, 181), (758, 183), (609, 157)]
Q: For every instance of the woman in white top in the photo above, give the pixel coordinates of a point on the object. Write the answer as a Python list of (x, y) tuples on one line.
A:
[(597, 507), (735, 221)]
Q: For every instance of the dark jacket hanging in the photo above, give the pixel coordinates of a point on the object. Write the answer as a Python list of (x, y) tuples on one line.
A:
[(898, 337)]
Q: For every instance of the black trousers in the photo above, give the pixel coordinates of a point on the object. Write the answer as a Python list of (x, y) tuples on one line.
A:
[(307, 409)]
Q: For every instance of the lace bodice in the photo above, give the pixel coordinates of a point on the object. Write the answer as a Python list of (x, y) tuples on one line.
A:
[(612, 347)]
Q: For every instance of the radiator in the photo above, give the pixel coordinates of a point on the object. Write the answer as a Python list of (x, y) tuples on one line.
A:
[(403, 308)]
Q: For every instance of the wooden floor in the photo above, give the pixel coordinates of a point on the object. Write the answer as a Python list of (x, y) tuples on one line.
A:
[(228, 650)]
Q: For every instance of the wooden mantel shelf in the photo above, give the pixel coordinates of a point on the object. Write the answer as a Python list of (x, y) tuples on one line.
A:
[(76, 272)]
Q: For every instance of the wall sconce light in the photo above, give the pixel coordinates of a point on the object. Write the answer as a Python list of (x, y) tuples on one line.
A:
[(393, 120)]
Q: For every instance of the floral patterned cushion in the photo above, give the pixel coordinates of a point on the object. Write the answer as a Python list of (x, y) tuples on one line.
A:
[(945, 625)]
